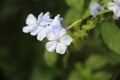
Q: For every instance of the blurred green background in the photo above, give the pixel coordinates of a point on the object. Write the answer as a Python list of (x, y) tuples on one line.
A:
[(23, 57)]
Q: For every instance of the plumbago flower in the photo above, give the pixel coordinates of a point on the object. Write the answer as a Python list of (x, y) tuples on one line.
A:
[(38, 27), (47, 26), (44, 23), (95, 8), (58, 39), (115, 7), (44, 26), (31, 22)]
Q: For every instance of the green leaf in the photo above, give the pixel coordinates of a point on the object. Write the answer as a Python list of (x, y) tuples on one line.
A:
[(113, 59), (65, 59), (50, 58), (76, 4), (111, 36), (80, 73), (86, 13), (74, 76), (102, 76), (96, 61), (41, 74), (71, 16)]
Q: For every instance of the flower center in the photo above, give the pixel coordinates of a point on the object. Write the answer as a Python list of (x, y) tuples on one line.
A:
[(57, 39), (44, 25)]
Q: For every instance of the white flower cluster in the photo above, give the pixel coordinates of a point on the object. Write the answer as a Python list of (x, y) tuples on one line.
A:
[(114, 6), (52, 29)]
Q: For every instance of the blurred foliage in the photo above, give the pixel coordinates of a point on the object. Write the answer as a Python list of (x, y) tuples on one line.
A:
[(93, 55), (111, 36)]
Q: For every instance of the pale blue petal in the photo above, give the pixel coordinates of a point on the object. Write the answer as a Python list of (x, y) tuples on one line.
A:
[(46, 15), (57, 21), (36, 30), (117, 1), (94, 12), (115, 17), (27, 29), (61, 48), (51, 36), (61, 32), (117, 12), (56, 24), (51, 46), (94, 5), (112, 6), (40, 16), (44, 20), (95, 8), (41, 35), (31, 19), (66, 39)]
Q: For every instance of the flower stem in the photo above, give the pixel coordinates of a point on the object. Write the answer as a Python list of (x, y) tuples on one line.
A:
[(74, 23), (104, 11)]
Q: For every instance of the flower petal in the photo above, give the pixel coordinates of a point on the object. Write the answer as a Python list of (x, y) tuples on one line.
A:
[(44, 20), (27, 29), (66, 40), (61, 48), (51, 36), (51, 46), (56, 24), (41, 35), (31, 19), (112, 6), (36, 30), (40, 16), (94, 9), (46, 16), (57, 21), (94, 12), (116, 1), (115, 17), (117, 12), (62, 32), (94, 5), (48, 29)]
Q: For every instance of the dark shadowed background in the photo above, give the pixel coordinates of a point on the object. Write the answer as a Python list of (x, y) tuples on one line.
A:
[(19, 52)]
